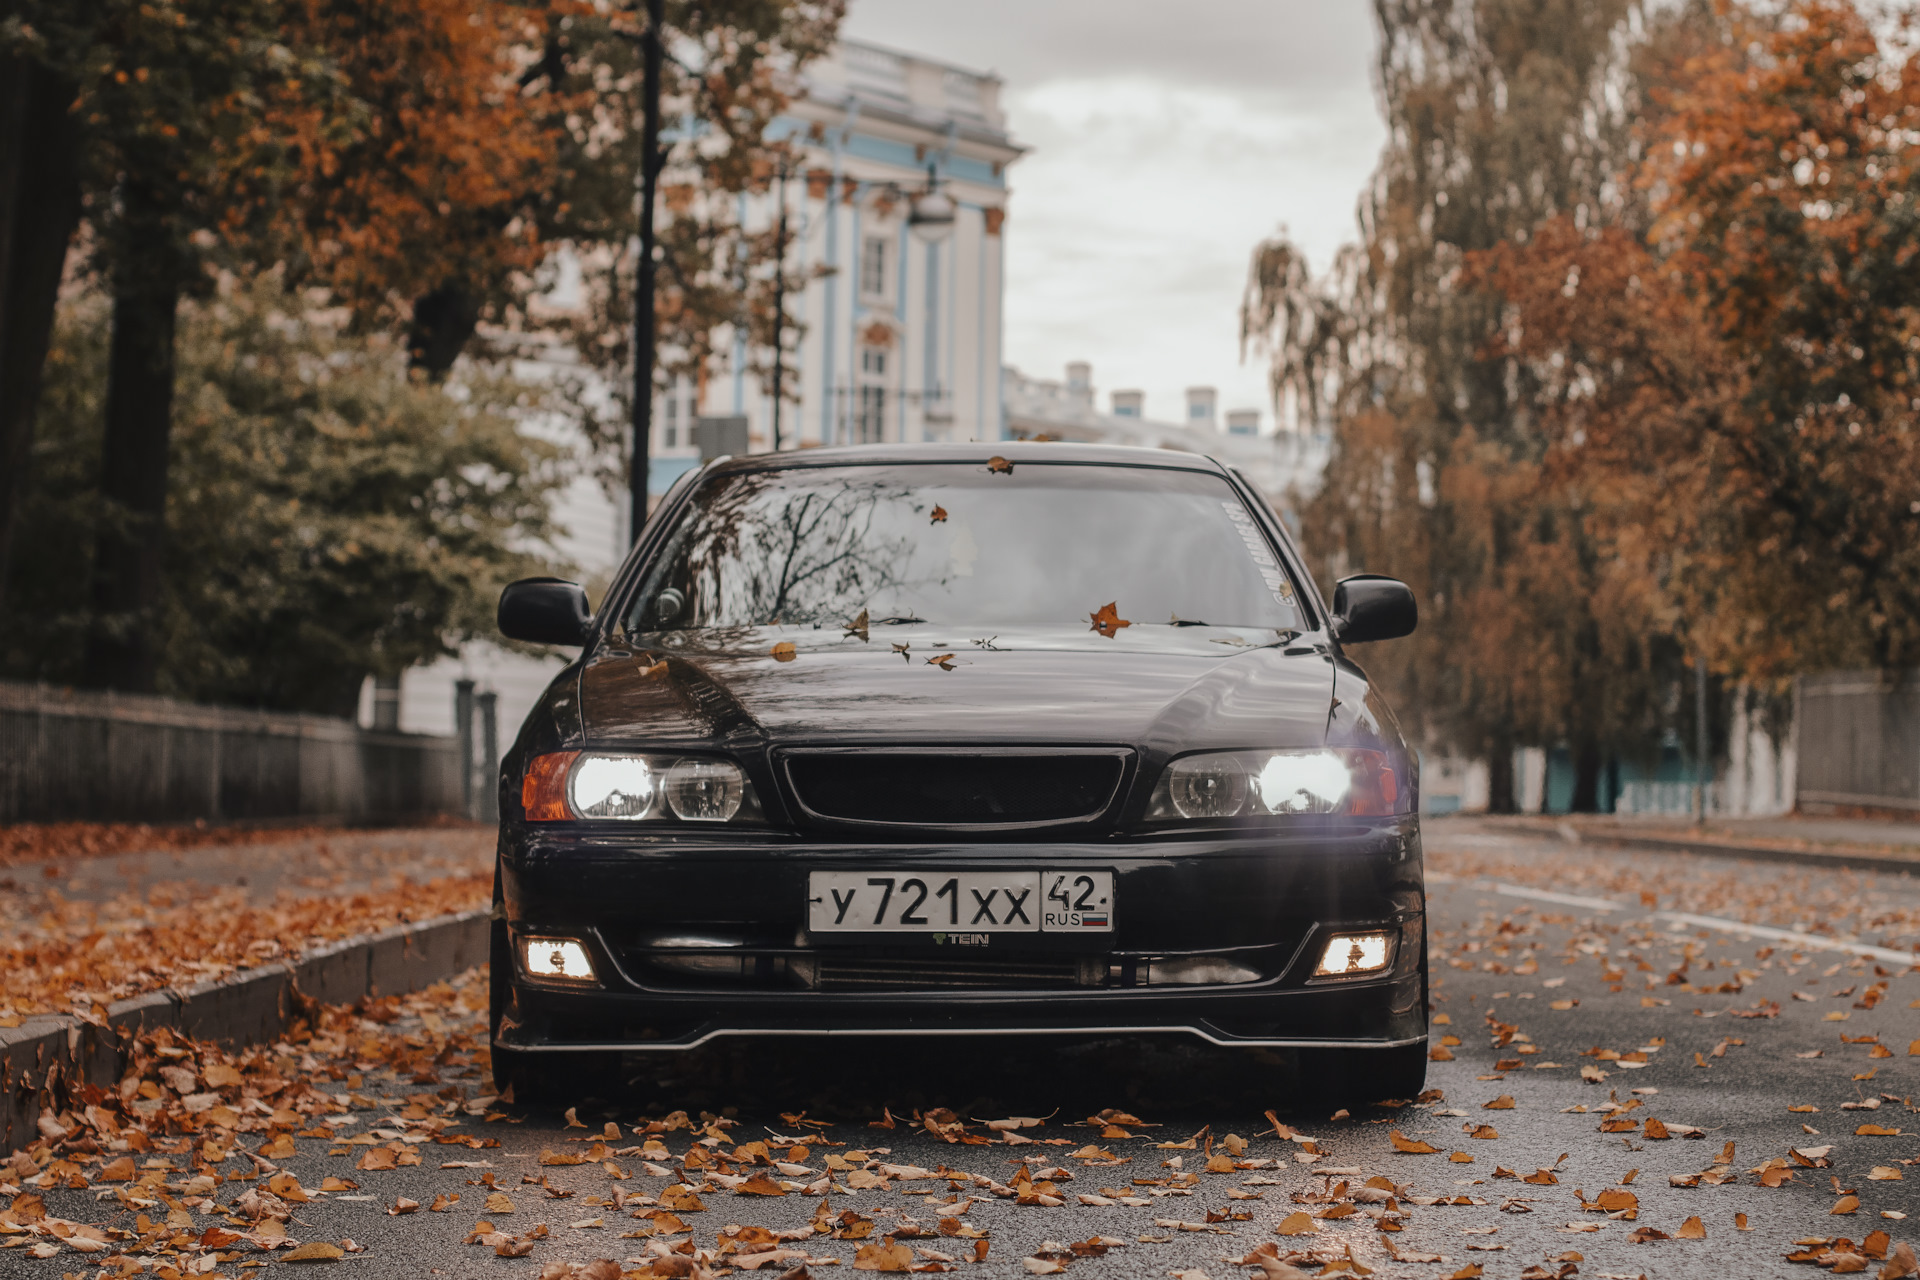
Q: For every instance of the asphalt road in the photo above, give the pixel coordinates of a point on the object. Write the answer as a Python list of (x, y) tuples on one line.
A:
[(1548, 959)]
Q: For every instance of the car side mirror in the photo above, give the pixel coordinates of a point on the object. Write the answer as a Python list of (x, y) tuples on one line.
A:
[(1367, 607), (545, 611)]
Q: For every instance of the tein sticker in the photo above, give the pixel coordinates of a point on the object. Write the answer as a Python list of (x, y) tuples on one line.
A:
[(1270, 571)]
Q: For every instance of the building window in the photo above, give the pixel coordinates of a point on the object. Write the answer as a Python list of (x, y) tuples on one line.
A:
[(873, 267), (870, 422), (671, 430)]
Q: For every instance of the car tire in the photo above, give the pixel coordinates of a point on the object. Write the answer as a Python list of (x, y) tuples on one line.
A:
[(1354, 1078)]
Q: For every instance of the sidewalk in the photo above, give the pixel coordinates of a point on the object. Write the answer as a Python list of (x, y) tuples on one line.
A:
[(1868, 844)]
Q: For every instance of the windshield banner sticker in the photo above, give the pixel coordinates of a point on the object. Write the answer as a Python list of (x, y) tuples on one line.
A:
[(1270, 571)]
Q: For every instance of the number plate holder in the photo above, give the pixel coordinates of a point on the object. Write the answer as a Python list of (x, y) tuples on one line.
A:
[(903, 901)]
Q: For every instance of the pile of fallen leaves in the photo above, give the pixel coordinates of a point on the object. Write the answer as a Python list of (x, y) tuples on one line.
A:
[(29, 842), (77, 957), (33, 842), (190, 1147)]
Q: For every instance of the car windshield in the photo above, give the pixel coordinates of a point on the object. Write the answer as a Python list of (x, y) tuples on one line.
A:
[(1044, 545)]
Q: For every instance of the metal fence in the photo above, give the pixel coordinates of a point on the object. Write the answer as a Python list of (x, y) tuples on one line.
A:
[(71, 755), (1860, 739)]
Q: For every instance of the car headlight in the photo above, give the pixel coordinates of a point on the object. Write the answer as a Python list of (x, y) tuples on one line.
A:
[(603, 786), (1241, 784)]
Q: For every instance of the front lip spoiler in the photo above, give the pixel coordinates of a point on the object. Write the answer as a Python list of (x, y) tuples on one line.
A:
[(1202, 1031)]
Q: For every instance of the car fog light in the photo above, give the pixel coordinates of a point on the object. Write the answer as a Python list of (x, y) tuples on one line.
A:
[(557, 958), (1198, 971), (1348, 954)]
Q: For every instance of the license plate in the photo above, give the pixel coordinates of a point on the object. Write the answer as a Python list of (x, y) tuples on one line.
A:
[(974, 901)]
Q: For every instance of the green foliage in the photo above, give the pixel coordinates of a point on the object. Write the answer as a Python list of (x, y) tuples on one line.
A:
[(330, 517)]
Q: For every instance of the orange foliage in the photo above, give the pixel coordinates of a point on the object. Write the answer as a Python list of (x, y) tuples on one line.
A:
[(433, 163), (1742, 382)]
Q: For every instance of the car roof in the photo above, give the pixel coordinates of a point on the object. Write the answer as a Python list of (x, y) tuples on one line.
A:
[(1015, 451)]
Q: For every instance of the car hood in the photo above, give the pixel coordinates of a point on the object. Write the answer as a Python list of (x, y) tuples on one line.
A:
[(1166, 688)]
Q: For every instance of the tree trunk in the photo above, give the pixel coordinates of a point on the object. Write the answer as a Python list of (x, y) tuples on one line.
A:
[(39, 210), (443, 320), (1587, 762), (1502, 796), (123, 646)]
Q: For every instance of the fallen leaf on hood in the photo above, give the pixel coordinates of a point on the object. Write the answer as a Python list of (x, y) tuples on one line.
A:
[(784, 651), (944, 661), (939, 515), (999, 464), (858, 627), (1107, 620)]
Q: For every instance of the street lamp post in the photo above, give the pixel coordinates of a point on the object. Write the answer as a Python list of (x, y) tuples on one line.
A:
[(643, 317), (779, 306)]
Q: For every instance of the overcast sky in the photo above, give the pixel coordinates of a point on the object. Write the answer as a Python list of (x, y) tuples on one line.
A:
[(1167, 140)]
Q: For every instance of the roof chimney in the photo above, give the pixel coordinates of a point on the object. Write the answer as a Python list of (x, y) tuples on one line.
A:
[(1243, 422), (1080, 382), (1128, 404), (1200, 406)]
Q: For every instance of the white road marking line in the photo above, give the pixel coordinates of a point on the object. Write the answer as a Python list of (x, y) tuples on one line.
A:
[(1804, 941), (1564, 899)]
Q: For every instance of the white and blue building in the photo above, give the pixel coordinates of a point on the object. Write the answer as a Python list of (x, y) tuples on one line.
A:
[(899, 325)]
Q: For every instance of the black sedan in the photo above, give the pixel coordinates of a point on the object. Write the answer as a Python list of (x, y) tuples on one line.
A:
[(1023, 739)]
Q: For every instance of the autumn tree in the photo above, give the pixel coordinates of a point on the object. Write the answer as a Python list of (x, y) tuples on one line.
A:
[(1501, 114), (730, 71), (1744, 374)]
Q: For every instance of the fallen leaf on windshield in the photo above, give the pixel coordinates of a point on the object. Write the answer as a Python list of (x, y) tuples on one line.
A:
[(999, 464), (944, 661), (939, 515), (785, 652), (858, 627), (1107, 620)]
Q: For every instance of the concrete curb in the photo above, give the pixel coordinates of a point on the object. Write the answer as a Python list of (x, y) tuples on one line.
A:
[(1838, 859), (52, 1052)]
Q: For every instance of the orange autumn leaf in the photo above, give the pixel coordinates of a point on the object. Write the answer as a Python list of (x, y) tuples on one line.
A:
[(1107, 620)]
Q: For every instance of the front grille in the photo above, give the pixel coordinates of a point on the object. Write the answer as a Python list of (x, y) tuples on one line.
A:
[(894, 973), (934, 789)]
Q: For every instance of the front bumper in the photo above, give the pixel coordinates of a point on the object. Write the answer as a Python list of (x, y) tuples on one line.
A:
[(1267, 901)]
